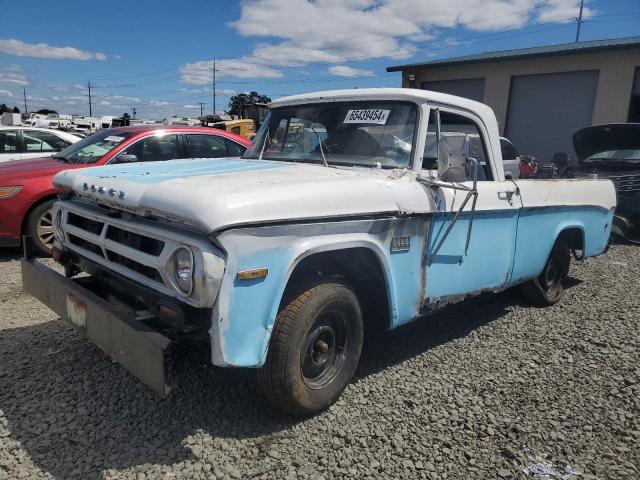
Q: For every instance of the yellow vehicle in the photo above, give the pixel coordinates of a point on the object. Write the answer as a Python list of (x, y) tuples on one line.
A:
[(243, 127)]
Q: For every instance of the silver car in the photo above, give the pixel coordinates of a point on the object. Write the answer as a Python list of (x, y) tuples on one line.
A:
[(18, 142)]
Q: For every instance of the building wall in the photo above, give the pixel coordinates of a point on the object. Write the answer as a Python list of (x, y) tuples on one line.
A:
[(617, 68)]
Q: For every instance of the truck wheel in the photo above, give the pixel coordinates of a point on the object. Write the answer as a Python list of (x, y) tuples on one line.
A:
[(40, 228), (314, 350), (547, 289)]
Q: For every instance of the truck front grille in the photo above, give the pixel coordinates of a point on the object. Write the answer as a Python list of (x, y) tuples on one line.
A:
[(143, 243), (148, 272), (115, 244)]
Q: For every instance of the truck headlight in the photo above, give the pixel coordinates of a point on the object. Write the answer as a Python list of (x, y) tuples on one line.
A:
[(183, 269), (57, 226)]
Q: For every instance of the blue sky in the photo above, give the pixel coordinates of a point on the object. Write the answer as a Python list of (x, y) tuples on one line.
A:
[(156, 55)]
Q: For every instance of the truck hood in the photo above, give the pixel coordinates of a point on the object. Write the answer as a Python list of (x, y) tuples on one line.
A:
[(615, 142), (213, 194)]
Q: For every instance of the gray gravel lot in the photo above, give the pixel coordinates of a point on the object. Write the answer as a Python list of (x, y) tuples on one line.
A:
[(482, 390)]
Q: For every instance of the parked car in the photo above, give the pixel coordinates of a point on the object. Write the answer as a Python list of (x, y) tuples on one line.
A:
[(26, 192), (612, 151), (283, 260), (18, 143)]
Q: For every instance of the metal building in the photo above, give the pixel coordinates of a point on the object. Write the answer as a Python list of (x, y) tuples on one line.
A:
[(542, 95)]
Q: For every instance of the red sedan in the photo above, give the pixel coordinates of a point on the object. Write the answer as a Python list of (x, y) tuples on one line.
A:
[(26, 192)]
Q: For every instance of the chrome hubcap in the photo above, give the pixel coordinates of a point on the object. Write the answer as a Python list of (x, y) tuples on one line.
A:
[(44, 229)]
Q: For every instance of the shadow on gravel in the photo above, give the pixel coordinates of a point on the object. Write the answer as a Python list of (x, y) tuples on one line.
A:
[(77, 413), (385, 349), (10, 254)]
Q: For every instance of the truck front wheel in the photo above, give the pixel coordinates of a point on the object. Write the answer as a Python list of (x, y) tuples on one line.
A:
[(547, 289), (314, 350)]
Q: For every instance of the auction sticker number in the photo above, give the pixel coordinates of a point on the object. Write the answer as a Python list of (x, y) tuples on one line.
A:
[(370, 115)]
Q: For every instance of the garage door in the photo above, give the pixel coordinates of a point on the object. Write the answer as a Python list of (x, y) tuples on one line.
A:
[(545, 111), (472, 88)]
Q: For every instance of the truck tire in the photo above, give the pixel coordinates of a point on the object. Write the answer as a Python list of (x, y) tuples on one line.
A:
[(40, 228), (547, 288), (314, 349)]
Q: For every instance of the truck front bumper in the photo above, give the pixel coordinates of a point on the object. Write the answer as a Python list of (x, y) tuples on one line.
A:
[(114, 329)]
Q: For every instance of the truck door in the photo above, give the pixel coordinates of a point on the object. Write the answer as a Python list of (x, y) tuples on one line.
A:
[(463, 260)]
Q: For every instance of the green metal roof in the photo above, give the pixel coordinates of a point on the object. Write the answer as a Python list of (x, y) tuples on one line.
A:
[(561, 49)]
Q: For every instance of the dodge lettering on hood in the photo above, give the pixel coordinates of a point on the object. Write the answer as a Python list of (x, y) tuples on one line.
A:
[(353, 208)]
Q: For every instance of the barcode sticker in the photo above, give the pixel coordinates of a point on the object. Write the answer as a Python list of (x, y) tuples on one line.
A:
[(378, 117)]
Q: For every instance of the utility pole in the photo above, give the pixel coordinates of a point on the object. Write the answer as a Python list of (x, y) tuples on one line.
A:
[(89, 87), (213, 84), (24, 93), (202, 104), (579, 20)]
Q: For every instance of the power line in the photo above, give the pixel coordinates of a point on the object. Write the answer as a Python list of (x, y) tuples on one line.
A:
[(24, 94)]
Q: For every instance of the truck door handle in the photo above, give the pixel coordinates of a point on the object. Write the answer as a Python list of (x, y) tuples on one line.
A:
[(508, 195)]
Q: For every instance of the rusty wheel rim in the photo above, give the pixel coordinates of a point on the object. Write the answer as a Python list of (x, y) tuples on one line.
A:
[(324, 350)]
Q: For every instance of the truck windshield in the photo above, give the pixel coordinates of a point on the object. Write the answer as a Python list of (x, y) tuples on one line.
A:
[(93, 148), (369, 133)]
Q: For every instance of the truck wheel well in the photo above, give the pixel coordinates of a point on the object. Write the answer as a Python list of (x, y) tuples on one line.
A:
[(573, 237), (359, 268), (34, 205)]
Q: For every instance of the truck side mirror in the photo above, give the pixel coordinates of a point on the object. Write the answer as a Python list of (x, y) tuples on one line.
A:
[(126, 158)]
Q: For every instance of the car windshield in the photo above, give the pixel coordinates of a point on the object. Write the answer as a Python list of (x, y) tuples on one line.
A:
[(369, 133), (93, 148), (631, 155)]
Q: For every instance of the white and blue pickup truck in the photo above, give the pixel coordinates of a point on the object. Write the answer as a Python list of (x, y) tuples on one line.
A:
[(353, 208)]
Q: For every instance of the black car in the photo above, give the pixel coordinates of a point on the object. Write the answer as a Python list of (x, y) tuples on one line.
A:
[(612, 151)]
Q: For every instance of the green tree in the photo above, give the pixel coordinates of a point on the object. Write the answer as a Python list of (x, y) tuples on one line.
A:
[(238, 102), (4, 108), (46, 111), (16, 109)]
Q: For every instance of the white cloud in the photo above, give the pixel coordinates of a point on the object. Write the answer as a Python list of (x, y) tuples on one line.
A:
[(304, 32), (104, 103), (345, 71), (157, 103), (563, 12), (201, 72), (42, 50), (191, 107), (5, 93), (14, 79)]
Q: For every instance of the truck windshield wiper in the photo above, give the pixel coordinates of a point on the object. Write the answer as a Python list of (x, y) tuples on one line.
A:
[(60, 157), (324, 159)]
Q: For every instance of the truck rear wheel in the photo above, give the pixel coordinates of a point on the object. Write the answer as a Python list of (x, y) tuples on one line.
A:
[(547, 288), (314, 350)]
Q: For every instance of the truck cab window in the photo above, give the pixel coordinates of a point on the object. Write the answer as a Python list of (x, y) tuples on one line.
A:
[(454, 130)]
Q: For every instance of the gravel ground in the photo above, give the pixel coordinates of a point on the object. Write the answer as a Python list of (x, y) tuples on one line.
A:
[(484, 390)]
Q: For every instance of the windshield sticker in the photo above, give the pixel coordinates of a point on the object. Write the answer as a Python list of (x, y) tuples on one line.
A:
[(378, 117), (113, 138)]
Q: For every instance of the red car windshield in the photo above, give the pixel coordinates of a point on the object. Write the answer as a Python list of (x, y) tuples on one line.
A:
[(92, 148)]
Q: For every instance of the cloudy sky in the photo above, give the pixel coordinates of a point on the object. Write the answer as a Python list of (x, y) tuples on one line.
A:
[(157, 56)]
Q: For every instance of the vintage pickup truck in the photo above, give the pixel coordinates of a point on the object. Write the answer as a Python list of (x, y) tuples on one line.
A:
[(354, 208)]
